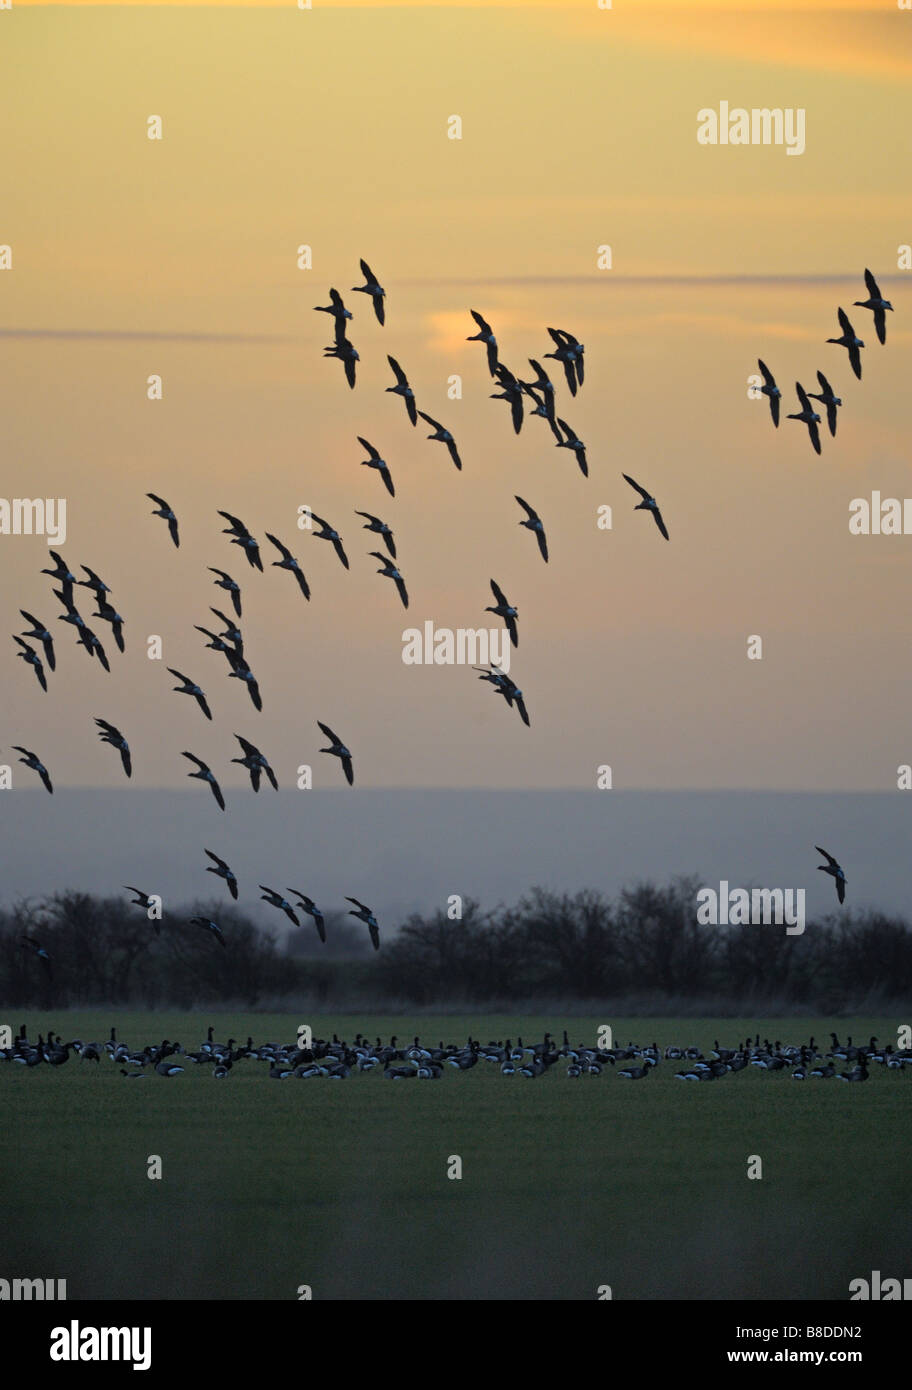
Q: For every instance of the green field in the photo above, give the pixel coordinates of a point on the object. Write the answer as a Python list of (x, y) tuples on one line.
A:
[(567, 1184)]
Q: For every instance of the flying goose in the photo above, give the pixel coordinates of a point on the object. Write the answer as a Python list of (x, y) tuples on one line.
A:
[(29, 943), (376, 461), (374, 289), (770, 390), (255, 763), (204, 773), (541, 391), (208, 925), (849, 341), (485, 335), (808, 416), (512, 393), (328, 533), (403, 389), (364, 914), (573, 442), (275, 899), (288, 562), (347, 354), (109, 734), (66, 579), (339, 750), (534, 524), (389, 571), (504, 610), (165, 512), (31, 658), (189, 687), (833, 868), (827, 397), (242, 537), (878, 305), (225, 581), (375, 524), (309, 906), (93, 582), (648, 504), (32, 761), (506, 687), (109, 614), (338, 310), (242, 672), (569, 352), (39, 631), (222, 870), (444, 437)]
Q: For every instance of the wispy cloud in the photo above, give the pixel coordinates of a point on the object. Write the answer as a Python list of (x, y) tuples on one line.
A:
[(140, 335)]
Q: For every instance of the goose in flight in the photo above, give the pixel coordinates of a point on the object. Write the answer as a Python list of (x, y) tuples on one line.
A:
[(109, 614), (374, 289), (222, 870), (65, 578), (541, 391), (85, 635), (808, 416), (375, 524), (364, 914), (275, 899), (339, 750), (569, 352), (504, 610), (827, 397), (347, 354), (231, 634), (572, 441), (31, 658), (109, 734), (390, 571), (375, 461), (485, 335), (506, 687), (878, 306), (309, 906), (242, 537), (327, 533), (165, 512), (29, 943), (288, 562), (533, 523), (403, 389), (849, 342), (770, 390), (242, 672), (833, 868), (648, 504), (512, 393), (145, 902), (189, 687), (255, 763), (444, 437), (34, 762), (39, 631), (338, 310), (93, 582), (204, 773), (225, 581), (213, 929)]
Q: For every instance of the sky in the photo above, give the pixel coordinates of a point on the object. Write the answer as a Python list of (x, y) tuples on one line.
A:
[(328, 127)]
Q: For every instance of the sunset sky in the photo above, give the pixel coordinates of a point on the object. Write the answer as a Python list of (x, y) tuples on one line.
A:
[(329, 127)]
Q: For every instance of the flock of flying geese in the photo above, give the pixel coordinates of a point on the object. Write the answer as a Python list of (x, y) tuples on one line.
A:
[(826, 395), (337, 1059)]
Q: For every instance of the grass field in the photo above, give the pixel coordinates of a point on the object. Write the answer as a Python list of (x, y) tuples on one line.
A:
[(566, 1186)]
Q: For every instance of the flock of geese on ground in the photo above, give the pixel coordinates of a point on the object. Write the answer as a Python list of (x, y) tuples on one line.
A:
[(337, 1059), (826, 395)]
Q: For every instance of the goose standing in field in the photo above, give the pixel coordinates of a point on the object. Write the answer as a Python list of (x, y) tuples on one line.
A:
[(403, 389), (380, 527), (374, 289), (389, 571), (376, 461), (31, 658), (364, 914), (339, 750), (30, 943), (770, 390), (443, 436), (189, 687), (648, 504), (533, 523), (827, 397), (222, 870), (329, 533), (255, 763), (338, 310), (505, 610), (109, 614), (878, 306), (573, 442), (208, 925), (512, 393), (808, 416), (168, 1068), (242, 537), (32, 761), (833, 868), (288, 562), (204, 773), (849, 341), (309, 906), (109, 734), (42, 635), (225, 581), (165, 512), (638, 1073), (269, 895), (485, 335)]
